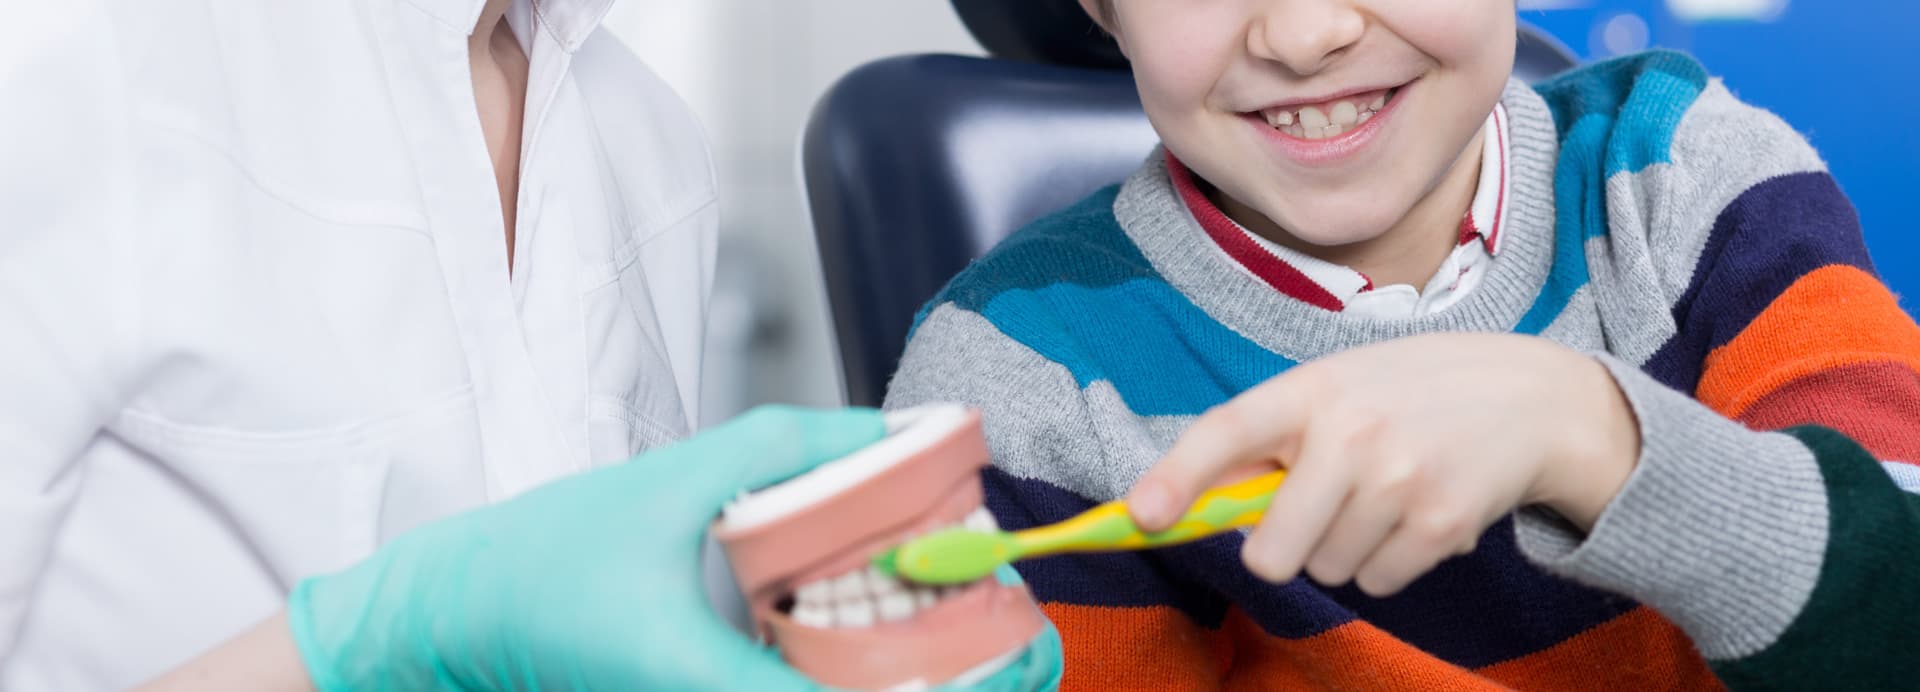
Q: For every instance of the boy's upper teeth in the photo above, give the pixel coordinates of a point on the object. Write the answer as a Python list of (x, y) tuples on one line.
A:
[(864, 596), (1326, 119)]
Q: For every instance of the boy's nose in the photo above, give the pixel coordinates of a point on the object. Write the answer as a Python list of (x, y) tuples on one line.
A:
[(1304, 35)]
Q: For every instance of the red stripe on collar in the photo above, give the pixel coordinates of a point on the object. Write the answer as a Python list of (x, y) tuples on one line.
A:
[(1225, 233)]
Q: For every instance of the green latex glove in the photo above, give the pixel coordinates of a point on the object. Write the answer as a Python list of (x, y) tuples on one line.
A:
[(592, 582), (1037, 669)]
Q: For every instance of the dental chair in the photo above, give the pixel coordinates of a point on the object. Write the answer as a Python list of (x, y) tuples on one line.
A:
[(915, 165)]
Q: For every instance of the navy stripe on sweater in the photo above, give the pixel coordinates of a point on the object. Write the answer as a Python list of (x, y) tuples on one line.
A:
[(1475, 610), (1770, 236)]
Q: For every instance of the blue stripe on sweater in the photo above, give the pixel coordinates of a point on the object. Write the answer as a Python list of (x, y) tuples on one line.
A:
[(1771, 235), (1107, 315), (1031, 257), (1162, 353), (1619, 116), (1569, 272), (1616, 116)]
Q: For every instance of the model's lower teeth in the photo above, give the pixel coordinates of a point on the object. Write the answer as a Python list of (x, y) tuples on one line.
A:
[(864, 596), (1328, 119)]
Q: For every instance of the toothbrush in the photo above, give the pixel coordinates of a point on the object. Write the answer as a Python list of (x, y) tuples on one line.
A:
[(960, 555)]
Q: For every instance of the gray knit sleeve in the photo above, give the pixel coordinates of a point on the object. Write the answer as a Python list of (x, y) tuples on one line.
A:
[(1720, 528), (1033, 413)]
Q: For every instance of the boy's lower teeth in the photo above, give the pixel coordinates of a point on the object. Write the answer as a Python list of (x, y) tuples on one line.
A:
[(865, 597)]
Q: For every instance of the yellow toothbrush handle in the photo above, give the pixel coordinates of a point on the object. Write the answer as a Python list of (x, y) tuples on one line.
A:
[(1109, 527)]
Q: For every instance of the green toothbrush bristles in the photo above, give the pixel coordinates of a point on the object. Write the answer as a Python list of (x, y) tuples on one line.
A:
[(952, 556), (884, 562)]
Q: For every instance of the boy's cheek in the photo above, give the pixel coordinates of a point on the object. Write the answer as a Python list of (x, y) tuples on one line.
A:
[(1454, 33)]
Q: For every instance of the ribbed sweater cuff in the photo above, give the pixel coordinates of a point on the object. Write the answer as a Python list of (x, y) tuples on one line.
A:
[(1720, 528)]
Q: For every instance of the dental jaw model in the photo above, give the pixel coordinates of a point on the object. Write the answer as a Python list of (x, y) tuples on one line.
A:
[(801, 552)]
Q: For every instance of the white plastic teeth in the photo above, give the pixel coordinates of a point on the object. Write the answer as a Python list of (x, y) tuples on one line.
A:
[(1327, 120), (864, 597)]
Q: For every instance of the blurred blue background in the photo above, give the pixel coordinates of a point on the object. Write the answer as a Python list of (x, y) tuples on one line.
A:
[(1840, 71)]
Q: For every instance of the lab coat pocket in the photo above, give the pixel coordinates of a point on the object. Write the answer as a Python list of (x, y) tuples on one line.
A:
[(314, 500)]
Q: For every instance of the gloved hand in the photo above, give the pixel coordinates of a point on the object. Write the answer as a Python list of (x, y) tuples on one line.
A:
[(592, 582), (1037, 669)]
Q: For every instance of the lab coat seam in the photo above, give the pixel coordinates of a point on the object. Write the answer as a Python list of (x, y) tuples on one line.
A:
[(625, 413), (697, 201), (446, 23), (624, 213), (140, 424), (533, 131), (546, 26), (641, 239), (274, 190), (636, 244)]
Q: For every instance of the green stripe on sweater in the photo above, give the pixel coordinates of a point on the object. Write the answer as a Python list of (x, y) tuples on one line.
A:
[(1857, 627)]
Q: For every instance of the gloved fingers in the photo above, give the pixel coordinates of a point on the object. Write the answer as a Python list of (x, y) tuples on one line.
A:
[(800, 439), (1045, 661), (1037, 668), (713, 655), (764, 446)]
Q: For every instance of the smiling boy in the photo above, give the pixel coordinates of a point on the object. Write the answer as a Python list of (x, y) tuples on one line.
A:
[(1518, 348)]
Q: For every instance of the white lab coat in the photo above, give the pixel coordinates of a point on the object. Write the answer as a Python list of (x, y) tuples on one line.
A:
[(255, 309)]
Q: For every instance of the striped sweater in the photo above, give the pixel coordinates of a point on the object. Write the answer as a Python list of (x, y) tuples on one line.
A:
[(1696, 244)]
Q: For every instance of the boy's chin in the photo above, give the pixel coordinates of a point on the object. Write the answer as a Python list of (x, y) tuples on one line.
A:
[(1334, 231), (1334, 220), (1340, 238)]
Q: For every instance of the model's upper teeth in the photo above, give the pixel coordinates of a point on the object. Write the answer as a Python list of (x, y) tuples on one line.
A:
[(864, 596), (1325, 120)]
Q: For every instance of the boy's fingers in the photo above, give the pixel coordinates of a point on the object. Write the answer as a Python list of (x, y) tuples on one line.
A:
[(1356, 532), (1419, 543), (1300, 513), (1247, 430), (1405, 556)]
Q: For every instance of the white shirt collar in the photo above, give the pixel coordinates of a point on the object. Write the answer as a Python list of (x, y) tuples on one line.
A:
[(569, 21), (1484, 214)]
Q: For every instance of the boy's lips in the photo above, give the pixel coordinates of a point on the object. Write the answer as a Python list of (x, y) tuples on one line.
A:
[(1330, 130)]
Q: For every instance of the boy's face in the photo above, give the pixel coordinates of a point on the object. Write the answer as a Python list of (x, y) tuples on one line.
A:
[(1331, 118)]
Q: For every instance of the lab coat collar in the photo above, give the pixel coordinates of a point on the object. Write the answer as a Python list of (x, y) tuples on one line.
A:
[(569, 21)]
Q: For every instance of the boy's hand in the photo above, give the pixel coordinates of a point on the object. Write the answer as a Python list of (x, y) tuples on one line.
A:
[(1402, 453)]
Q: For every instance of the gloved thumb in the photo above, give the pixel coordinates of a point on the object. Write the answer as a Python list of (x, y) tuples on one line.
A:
[(774, 443)]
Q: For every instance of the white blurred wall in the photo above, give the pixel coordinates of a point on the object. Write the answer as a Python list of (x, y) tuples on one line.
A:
[(752, 70)]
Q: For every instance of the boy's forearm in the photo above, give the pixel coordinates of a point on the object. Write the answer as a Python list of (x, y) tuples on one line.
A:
[(1786, 557)]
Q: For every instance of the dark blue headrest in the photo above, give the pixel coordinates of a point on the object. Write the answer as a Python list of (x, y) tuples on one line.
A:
[(1053, 32)]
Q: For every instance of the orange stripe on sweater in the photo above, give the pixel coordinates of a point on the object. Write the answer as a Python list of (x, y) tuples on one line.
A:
[(1158, 648), (1833, 317), (1353, 656), (1145, 648), (1877, 404), (1639, 650)]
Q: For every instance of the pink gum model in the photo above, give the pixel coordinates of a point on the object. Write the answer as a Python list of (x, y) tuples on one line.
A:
[(935, 483)]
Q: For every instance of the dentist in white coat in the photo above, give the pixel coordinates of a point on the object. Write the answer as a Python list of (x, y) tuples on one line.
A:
[(280, 281), (329, 332)]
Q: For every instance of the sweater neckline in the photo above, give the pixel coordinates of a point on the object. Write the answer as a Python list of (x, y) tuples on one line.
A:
[(1338, 287), (1154, 217)]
